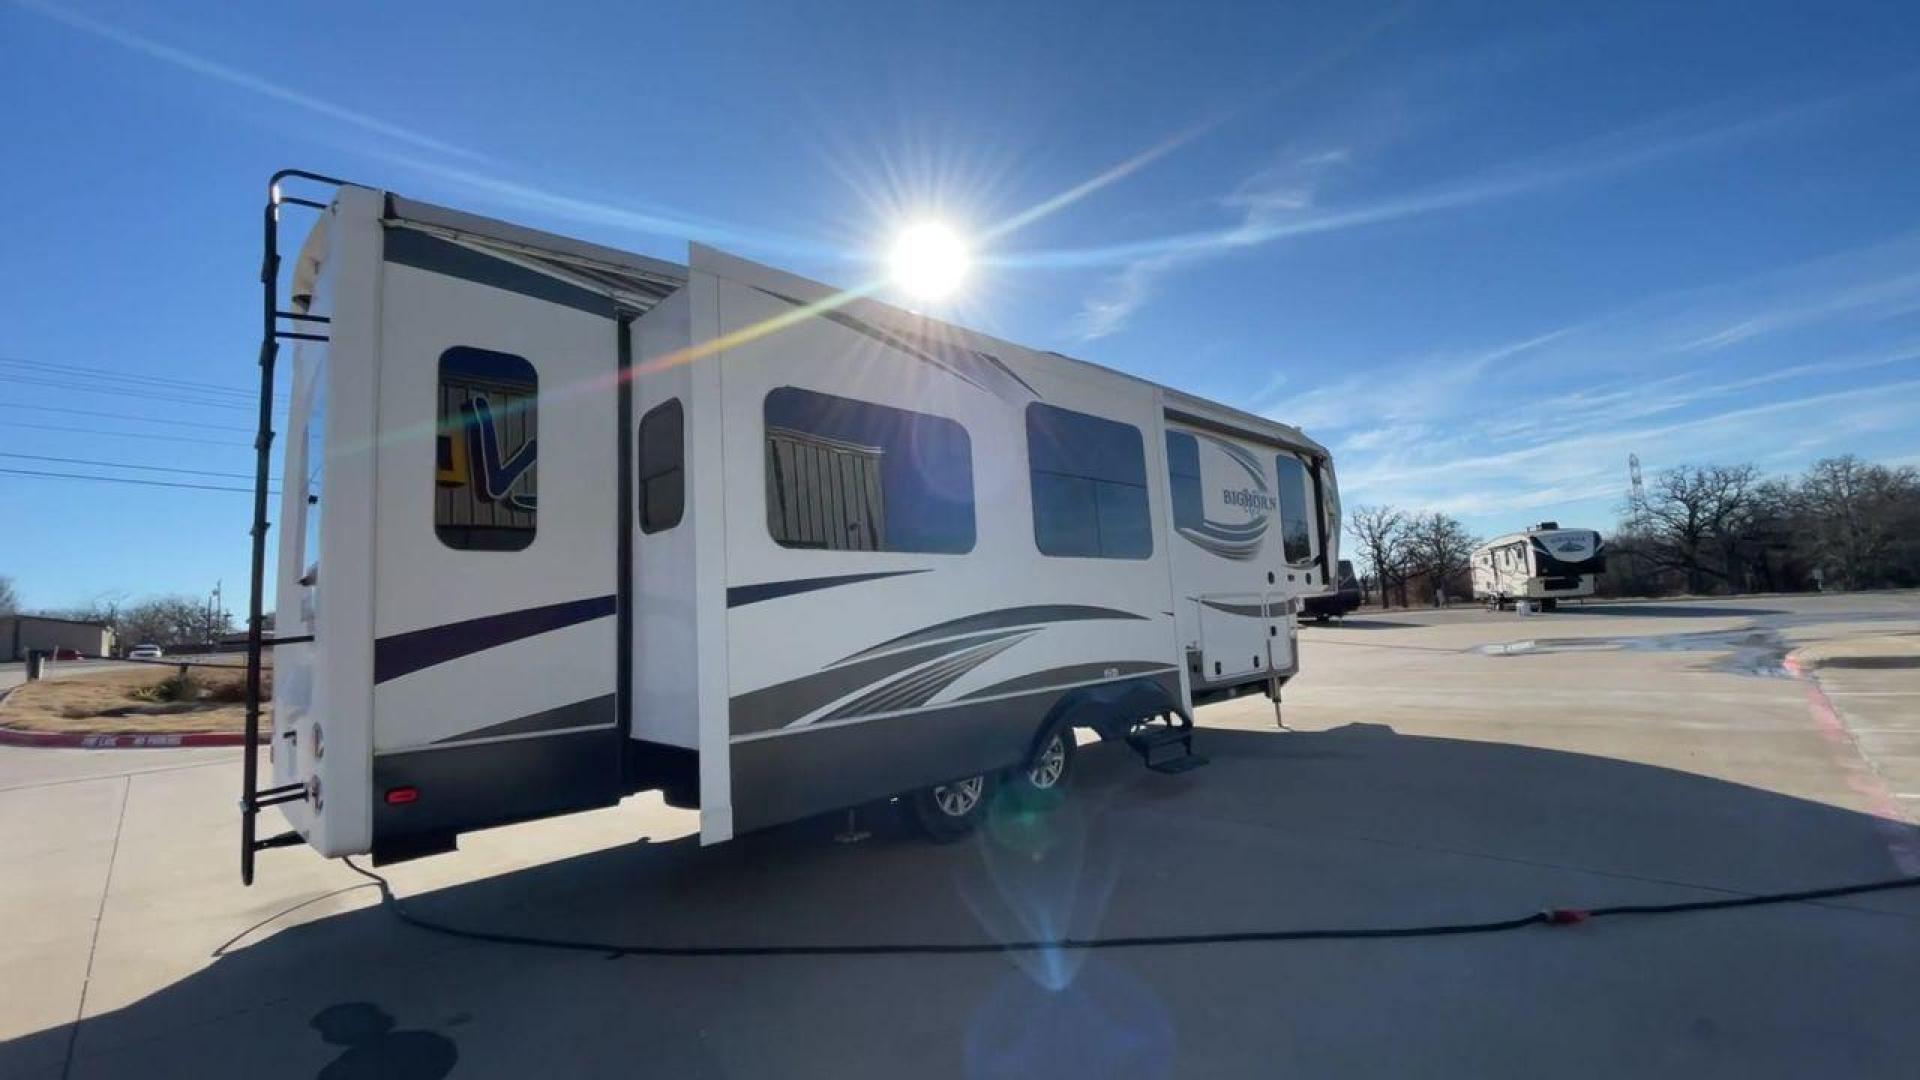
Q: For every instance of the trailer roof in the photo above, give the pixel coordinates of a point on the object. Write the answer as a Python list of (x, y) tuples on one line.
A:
[(642, 281)]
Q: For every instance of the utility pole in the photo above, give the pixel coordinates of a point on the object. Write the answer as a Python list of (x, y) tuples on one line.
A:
[(1637, 493), (1636, 517)]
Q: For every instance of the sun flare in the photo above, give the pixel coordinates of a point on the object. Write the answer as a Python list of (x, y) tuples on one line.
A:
[(929, 261)]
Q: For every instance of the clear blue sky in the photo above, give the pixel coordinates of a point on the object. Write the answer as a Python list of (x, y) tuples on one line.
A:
[(1484, 252)]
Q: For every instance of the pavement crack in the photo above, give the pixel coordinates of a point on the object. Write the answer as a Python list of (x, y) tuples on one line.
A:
[(99, 916)]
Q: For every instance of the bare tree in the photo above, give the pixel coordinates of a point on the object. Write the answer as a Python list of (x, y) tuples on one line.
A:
[(9, 600), (165, 621), (1851, 515), (1439, 546), (1381, 533), (1696, 519)]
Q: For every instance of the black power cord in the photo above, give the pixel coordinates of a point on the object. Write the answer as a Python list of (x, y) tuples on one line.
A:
[(1550, 917)]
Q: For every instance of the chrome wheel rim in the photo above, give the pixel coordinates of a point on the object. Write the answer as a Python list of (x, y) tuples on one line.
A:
[(960, 797), (1050, 766)]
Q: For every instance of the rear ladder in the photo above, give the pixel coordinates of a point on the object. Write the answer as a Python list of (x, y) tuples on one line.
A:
[(252, 798)]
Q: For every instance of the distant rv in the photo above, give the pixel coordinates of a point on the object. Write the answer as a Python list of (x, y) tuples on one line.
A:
[(1545, 564)]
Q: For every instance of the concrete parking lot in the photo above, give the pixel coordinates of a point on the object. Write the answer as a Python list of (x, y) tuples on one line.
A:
[(1442, 767)]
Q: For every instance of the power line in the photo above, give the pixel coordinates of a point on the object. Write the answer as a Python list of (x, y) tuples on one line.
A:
[(124, 376), (126, 465), (125, 416), (128, 480), (123, 385), (143, 394), (124, 434)]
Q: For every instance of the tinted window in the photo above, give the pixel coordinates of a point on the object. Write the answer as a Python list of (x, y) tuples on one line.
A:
[(1183, 472), (849, 475), (1296, 520), (1089, 485), (662, 467), (486, 489)]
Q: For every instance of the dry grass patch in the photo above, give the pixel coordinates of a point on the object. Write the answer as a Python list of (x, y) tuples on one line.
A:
[(149, 699)]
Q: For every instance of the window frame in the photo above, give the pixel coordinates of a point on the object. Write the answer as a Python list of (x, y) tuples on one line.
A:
[(1306, 490), (1095, 484), (520, 539), (642, 477), (970, 504)]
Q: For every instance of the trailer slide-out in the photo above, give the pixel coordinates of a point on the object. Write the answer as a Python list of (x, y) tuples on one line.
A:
[(561, 523)]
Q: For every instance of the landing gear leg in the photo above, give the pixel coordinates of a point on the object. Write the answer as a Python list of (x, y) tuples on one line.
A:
[(852, 833), (1279, 721)]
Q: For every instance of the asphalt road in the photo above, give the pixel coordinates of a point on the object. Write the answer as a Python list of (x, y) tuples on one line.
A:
[(1444, 766)]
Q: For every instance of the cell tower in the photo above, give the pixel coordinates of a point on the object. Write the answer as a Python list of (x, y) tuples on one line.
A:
[(1637, 493)]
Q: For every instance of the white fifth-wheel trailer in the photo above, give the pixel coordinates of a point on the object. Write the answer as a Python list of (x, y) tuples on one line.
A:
[(1545, 565), (560, 523)]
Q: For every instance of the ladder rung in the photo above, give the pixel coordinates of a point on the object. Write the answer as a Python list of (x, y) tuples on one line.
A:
[(276, 795)]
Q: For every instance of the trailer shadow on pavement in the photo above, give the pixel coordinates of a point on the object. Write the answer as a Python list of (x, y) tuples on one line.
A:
[(1353, 827)]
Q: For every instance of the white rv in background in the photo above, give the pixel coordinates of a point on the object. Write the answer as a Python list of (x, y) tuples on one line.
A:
[(562, 523), (1545, 564)]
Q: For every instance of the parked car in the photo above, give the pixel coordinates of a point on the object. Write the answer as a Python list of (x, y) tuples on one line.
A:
[(1336, 604), (144, 652), (66, 654)]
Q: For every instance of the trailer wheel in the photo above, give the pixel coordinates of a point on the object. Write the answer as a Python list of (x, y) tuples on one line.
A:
[(1042, 782), (1549, 605), (946, 812)]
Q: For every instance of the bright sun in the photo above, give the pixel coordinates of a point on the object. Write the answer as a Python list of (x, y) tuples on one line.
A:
[(929, 260)]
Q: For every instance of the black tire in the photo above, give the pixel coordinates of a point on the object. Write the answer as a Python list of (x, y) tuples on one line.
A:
[(1549, 605), (1041, 783), (947, 812)]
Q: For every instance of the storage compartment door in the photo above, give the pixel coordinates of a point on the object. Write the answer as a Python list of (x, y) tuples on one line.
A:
[(1233, 636)]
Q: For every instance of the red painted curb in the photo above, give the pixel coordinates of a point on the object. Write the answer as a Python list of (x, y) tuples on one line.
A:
[(106, 741)]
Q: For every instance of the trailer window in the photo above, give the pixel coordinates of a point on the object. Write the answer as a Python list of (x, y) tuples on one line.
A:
[(1296, 517), (1089, 485), (1183, 474), (662, 467), (485, 478), (846, 475)]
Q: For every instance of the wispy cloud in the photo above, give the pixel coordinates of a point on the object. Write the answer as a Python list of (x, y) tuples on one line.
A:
[(632, 217), (1261, 201), (1459, 474), (232, 76), (1285, 203), (1886, 296), (1422, 389)]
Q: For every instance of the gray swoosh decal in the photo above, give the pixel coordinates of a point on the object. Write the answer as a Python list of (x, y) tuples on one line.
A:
[(1230, 546), (593, 712), (742, 595), (1257, 611), (994, 620), (916, 689), (782, 703), (1242, 457), (1070, 675), (968, 365)]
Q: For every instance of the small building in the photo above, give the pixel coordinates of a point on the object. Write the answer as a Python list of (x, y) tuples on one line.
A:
[(21, 634)]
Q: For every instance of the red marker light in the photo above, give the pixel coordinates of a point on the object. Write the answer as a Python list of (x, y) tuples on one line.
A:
[(401, 796)]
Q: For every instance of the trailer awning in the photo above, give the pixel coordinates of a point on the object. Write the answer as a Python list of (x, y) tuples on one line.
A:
[(634, 282)]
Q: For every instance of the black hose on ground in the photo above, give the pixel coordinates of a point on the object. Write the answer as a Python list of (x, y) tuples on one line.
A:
[(1550, 917)]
